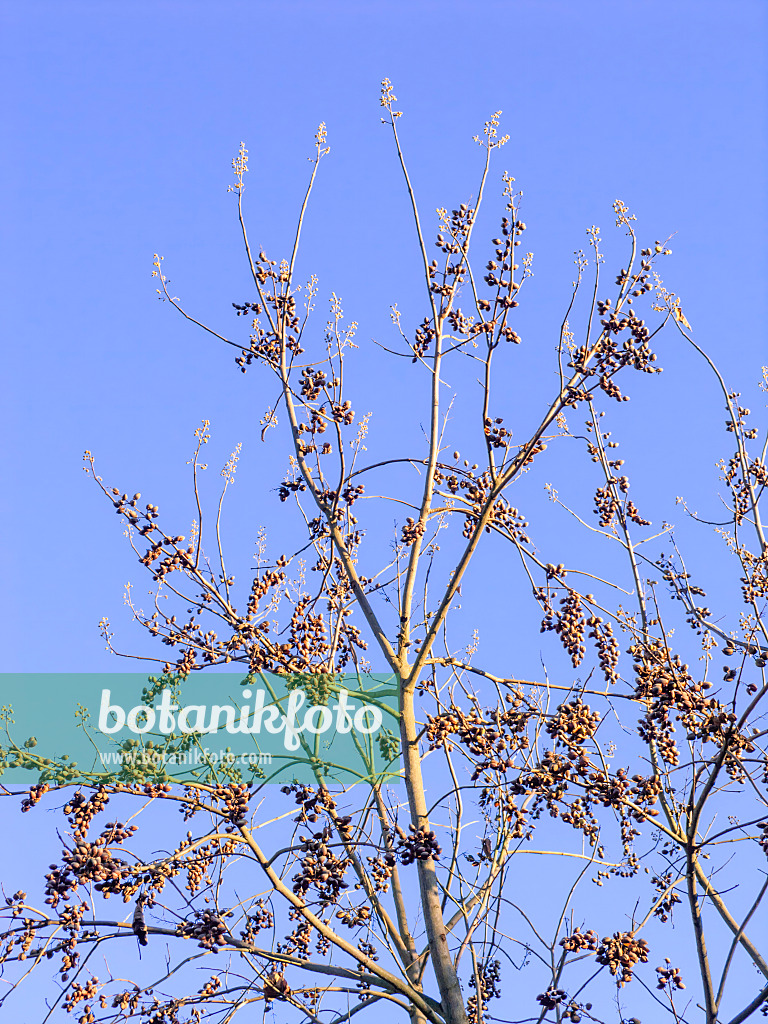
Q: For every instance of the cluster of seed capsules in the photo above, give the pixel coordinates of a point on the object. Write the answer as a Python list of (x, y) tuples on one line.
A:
[(554, 998), (420, 845), (620, 953), (235, 799), (321, 868), (208, 928)]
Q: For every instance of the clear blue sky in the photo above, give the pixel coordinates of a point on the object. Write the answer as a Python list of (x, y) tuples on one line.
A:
[(120, 124)]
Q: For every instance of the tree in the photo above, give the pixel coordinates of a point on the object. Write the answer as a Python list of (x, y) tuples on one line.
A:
[(326, 902)]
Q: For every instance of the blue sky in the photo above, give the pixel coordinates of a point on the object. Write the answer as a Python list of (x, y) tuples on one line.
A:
[(120, 123)]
